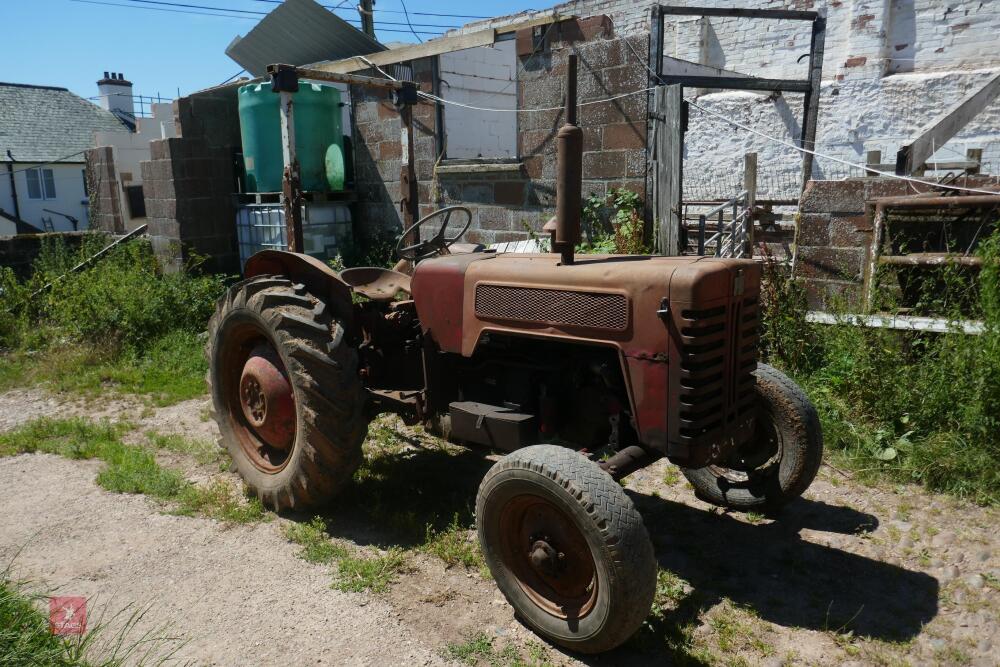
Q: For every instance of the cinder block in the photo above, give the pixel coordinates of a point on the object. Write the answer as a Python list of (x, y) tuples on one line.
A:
[(845, 264), (814, 229), (834, 197), (604, 164)]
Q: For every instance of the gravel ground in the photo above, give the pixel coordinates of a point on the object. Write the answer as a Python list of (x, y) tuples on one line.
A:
[(851, 574)]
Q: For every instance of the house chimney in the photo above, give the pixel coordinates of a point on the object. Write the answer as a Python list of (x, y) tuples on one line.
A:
[(115, 94)]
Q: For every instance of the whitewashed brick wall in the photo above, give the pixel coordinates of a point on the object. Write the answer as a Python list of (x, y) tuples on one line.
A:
[(890, 67)]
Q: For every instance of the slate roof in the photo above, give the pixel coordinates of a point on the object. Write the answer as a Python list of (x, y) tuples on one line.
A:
[(43, 123)]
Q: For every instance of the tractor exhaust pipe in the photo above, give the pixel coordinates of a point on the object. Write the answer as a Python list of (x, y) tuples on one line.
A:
[(569, 183)]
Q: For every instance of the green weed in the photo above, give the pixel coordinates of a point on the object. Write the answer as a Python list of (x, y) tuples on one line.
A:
[(369, 573), (26, 641), (480, 649), (454, 546), (316, 544), (120, 323), (907, 406), (130, 468), (201, 451)]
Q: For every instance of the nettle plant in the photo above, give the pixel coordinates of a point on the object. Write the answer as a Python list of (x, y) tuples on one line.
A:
[(613, 224)]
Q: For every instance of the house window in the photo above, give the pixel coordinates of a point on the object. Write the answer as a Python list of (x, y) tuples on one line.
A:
[(484, 77), (41, 184)]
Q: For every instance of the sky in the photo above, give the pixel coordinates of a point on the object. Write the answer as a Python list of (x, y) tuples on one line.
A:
[(163, 49)]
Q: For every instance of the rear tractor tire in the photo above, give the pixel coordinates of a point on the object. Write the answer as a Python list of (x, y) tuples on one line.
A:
[(782, 460), (285, 392), (566, 547)]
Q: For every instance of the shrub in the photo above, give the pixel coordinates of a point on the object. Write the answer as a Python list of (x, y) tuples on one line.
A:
[(119, 320), (916, 406), (613, 224)]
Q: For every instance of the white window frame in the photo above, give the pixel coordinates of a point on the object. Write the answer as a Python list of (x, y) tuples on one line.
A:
[(44, 178)]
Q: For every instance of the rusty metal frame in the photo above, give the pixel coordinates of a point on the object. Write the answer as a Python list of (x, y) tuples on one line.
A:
[(285, 81)]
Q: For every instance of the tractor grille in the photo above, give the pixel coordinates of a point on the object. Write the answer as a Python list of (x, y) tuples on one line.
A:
[(594, 310), (715, 388)]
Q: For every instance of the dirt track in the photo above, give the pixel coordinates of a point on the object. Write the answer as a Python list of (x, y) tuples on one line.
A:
[(849, 574)]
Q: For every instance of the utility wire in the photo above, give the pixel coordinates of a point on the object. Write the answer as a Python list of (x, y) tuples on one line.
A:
[(232, 77), (253, 12), (407, 14), (391, 11), (256, 14), (43, 164)]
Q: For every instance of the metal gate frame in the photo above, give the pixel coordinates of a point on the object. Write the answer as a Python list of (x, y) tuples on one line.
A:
[(809, 86)]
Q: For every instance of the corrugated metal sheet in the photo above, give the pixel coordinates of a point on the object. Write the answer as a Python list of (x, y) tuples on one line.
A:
[(299, 32)]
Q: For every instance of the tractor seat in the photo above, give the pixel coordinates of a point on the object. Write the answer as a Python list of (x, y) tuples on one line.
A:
[(376, 283)]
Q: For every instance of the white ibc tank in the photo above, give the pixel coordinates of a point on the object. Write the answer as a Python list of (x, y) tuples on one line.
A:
[(326, 229)]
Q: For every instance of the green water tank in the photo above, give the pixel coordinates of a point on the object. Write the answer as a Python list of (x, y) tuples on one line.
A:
[(319, 139)]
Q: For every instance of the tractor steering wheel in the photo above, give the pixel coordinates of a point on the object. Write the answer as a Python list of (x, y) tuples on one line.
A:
[(439, 243)]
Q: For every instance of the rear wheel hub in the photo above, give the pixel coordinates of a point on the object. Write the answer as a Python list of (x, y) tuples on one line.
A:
[(267, 399)]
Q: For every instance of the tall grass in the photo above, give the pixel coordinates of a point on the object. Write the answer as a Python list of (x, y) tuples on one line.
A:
[(918, 407), (120, 322)]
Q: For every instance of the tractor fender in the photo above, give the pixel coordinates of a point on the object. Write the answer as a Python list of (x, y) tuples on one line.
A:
[(319, 279)]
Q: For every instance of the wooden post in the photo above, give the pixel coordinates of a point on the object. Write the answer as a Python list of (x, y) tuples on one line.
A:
[(367, 17), (974, 155), (669, 153), (872, 159), (409, 199), (291, 185), (811, 104), (750, 185), (655, 67)]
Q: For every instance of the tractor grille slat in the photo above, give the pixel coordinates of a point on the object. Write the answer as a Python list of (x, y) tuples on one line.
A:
[(594, 310), (717, 355)]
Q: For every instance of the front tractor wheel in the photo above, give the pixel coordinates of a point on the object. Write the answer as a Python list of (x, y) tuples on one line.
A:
[(782, 459), (566, 547), (285, 392)]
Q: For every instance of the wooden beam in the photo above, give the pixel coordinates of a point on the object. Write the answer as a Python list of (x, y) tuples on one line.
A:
[(435, 47), (669, 10), (739, 83), (810, 113), (935, 134)]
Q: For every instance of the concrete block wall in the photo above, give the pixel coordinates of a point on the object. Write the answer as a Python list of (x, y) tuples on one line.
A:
[(189, 181), (512, 204), (103, 191)]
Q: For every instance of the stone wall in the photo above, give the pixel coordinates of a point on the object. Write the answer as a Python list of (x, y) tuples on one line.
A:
[(189, 181), (19, 252), (103, 191), (510, 202), (835, 234)]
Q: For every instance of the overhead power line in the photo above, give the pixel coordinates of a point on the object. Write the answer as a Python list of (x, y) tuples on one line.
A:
[(252, 12), (193, 10), (403, 3), (394, 11)]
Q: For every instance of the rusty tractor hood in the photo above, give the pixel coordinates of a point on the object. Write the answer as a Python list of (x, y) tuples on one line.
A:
[(612, 299), (676, 321)]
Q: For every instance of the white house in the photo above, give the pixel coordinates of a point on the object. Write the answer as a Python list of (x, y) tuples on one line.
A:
[(44, 132)]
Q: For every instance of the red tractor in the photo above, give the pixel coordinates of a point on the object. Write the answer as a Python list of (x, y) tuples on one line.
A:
[(584, 369)]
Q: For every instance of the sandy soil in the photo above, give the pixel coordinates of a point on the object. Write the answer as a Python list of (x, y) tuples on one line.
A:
[(848, 575)]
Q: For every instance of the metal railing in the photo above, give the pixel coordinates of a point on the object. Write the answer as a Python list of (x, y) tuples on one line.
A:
[(731, 237)]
